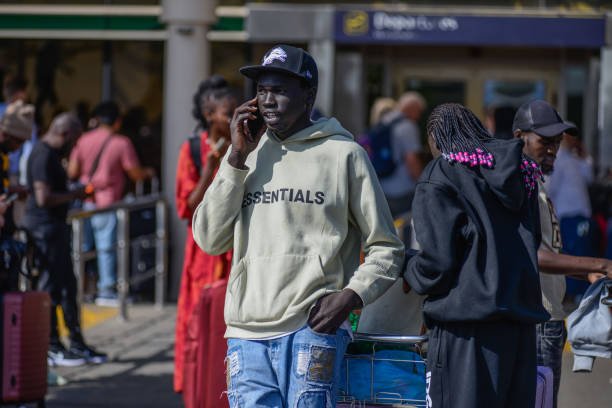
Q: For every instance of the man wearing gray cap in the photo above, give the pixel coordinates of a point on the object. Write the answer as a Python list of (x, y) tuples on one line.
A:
[(296, 199), (542, 128), (15, 128)]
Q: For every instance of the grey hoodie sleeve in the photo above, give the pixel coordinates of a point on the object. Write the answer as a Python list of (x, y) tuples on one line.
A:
[(213, 219), (384, 251)]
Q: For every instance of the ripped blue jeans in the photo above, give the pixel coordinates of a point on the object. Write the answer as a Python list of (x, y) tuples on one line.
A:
[(299, 370)]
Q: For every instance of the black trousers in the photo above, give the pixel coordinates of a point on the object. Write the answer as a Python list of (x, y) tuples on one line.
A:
[(52, 242), (488, 365)]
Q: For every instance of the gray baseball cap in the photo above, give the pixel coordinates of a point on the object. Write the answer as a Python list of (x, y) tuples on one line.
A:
[(540, 117)]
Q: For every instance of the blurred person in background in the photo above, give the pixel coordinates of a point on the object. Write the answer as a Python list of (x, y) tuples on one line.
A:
[(198, 162), (45, 219), (380, 108), (406, 147), (541, 128), (16, 127), (15, 89), (568, 189), (101, 159)]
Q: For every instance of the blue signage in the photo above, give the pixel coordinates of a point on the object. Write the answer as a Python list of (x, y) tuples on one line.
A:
[(381, 27)]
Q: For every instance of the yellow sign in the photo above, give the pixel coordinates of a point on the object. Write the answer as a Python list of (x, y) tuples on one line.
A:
[(356, 23)]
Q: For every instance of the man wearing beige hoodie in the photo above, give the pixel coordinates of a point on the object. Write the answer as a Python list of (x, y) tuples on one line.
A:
[(296, 200)]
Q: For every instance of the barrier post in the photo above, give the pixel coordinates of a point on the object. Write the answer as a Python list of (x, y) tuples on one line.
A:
[(123, 259)]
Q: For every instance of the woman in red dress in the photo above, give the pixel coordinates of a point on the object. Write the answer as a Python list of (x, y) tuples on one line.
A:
[(214, 105)]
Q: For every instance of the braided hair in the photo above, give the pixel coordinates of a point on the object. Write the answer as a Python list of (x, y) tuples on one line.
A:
[(209, 91), (460, 136)]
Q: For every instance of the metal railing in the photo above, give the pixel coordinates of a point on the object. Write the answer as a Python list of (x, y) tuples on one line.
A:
[(123, 244)]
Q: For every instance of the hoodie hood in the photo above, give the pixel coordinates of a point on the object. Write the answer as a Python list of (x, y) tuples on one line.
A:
[(320, 129), (479, 232), (505, 179)]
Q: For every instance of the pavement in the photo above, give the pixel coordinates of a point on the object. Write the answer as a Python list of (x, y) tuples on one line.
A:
[(140, 371), (588, 390)]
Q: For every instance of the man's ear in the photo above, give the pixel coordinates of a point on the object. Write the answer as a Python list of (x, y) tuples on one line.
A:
[(311, 96), (517, 133)]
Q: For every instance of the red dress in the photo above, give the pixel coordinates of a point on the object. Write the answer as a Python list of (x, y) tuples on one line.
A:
[(199, 268)]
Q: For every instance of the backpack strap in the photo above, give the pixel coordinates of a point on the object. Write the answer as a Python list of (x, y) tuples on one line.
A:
[(195, 148)]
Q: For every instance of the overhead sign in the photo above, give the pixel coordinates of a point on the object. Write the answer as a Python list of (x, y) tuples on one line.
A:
[(381, 27)]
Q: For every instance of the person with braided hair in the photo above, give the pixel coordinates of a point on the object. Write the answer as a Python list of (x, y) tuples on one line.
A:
[(198, 162), (476, 219)]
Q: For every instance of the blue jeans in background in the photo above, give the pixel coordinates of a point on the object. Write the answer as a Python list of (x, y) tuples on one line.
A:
[(577, 236), (101, 229), (299, 370), (550, 340)]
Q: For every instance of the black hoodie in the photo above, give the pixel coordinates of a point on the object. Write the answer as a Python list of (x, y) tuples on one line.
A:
[(478, 229)]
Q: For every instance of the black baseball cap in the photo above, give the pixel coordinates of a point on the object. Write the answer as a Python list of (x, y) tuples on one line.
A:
[(542, 119), (287, 60)]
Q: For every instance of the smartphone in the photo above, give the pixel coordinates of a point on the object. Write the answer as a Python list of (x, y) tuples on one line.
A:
[(220, 144), (9, 200), (255, 126)]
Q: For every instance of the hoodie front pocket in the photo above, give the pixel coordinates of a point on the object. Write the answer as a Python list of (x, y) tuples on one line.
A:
[(264, 289)]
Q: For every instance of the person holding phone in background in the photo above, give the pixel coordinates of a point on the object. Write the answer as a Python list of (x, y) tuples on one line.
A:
[(15, 128), (296, 199), (198, 162), (45, 219)]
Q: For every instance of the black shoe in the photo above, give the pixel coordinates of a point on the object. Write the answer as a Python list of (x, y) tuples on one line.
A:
[(89, 354), (59, 356)]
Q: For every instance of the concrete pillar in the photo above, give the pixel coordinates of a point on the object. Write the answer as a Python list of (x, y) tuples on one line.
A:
[(590, 107), (605, 107), (187, 62), (349, 98), (324, 53)]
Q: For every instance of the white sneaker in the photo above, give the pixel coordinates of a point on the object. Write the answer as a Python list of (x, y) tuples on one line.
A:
[(60, 357)]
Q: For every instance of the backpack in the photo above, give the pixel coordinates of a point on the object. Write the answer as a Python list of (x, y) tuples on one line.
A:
[(381, 148), (195, 144)]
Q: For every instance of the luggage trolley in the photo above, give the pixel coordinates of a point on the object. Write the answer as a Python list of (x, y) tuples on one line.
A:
[(383, 370)]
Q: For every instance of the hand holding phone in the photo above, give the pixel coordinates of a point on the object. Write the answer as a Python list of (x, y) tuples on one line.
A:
[(256, 126), (10, 199), (247, 127)]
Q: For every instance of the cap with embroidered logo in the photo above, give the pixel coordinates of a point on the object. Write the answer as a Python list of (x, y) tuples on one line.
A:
[(287, 60), (541, 118)]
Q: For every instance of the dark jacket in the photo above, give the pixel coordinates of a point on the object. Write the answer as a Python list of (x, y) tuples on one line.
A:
[(478, 229)]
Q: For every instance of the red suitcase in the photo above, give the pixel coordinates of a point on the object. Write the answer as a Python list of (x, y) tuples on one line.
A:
[(205, 350), (25, 339)]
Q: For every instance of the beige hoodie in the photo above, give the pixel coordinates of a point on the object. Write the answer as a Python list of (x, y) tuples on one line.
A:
[(296, 220)]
